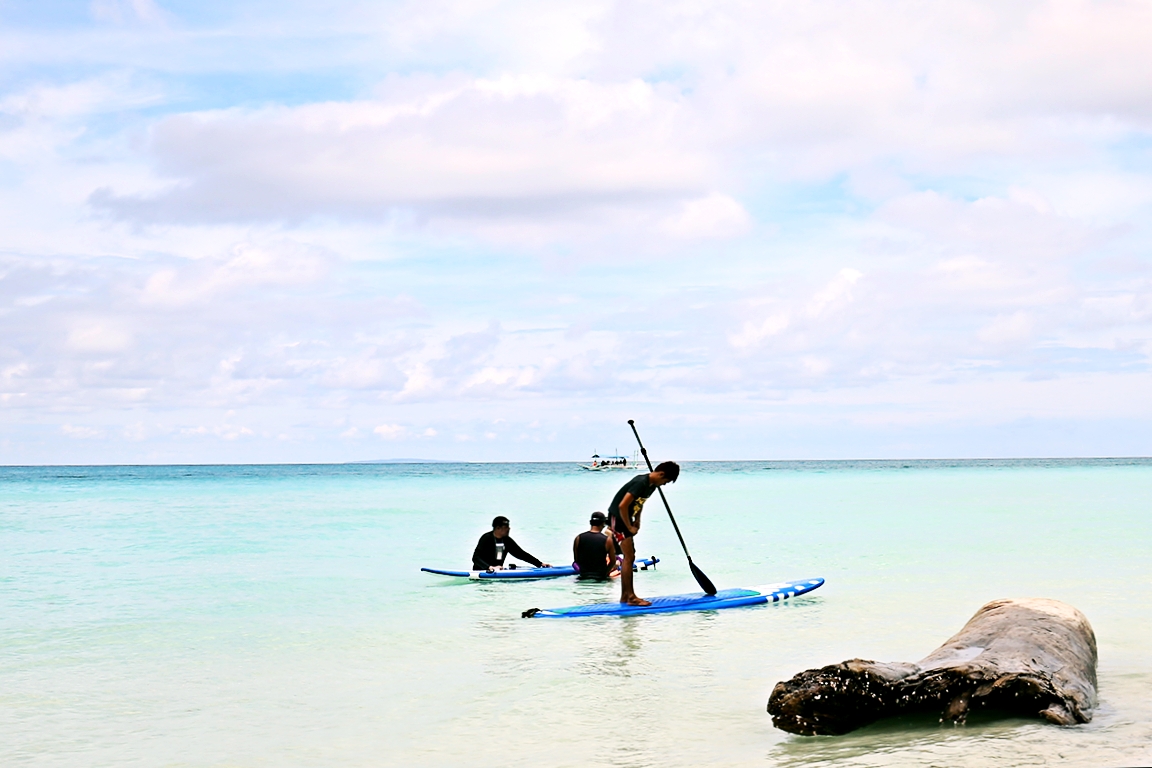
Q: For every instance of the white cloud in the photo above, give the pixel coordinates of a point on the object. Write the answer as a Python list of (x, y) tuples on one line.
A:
[(753, 333), (815, 366), (714, 216), (47, 106), (493, 377), (246, 266), (518, 146), (80, 432), (769, 92), (364, 372), (135, 432), (391, 431), (1008, 329), (222, 431), (403, 432), (98, 336), (836, 293), (120, 11)]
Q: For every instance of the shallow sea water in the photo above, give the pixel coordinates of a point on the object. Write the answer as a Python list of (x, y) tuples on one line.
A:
[(276, 616)]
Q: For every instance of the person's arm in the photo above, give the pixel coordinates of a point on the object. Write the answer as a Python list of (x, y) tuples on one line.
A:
[(515, 550), (575, 549), (626, 513)]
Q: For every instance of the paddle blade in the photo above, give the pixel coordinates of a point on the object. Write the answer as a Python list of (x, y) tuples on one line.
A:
[(704, 582)]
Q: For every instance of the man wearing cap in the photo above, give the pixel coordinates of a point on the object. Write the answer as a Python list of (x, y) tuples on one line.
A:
[(593, 551), (624, 518), (495, 545)]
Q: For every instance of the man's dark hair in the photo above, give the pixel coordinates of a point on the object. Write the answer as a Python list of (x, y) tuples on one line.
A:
[(670, 469), (499, 522)]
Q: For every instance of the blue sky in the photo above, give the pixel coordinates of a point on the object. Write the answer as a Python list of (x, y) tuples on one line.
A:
[(250, 231)]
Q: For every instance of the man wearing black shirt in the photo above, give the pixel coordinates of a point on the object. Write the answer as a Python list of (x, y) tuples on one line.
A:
[(624, 517), (495, 545), (594, 553)]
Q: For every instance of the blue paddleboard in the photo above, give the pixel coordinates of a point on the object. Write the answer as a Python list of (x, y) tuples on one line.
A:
[(693, 601), (530, 573)]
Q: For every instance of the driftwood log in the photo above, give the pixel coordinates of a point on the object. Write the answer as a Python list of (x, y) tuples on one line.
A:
[(1027, 657)]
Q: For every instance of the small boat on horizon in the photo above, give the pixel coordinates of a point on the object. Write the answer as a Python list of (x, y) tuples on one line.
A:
[(599, 462)]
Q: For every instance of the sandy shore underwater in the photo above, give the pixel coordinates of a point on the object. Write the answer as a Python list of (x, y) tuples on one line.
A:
[(277, 615)]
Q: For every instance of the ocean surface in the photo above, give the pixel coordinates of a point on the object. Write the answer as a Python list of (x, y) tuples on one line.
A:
[(277, 616)]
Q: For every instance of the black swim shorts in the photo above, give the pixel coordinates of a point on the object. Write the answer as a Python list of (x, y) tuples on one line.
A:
[(619, 529)]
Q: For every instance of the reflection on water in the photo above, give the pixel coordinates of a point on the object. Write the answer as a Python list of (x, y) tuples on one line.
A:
[(609, 648), (876, 743)]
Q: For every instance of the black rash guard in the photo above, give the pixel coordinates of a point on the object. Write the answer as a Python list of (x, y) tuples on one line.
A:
[(592, 555), (487, 555)]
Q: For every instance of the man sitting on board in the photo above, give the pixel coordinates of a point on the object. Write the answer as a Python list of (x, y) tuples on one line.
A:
[(624, 518), (495, 545), (594, 552)]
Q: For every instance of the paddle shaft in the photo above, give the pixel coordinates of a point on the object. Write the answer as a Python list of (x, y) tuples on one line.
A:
[(704, 581)]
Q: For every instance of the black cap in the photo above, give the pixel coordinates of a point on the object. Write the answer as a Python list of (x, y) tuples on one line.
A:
[(598, 518)]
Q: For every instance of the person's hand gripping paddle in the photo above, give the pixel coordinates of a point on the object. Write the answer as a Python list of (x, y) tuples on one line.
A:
[(704, 582)]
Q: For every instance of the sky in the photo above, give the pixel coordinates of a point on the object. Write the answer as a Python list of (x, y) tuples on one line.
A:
[(492, 230)]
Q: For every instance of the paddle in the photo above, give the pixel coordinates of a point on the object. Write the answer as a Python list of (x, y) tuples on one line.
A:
[(704, 582)]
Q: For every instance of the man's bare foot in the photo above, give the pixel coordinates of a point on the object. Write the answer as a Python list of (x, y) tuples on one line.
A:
[(636, 601)]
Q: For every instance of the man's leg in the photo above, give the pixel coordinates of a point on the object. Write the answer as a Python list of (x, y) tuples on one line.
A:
[(627, 591)]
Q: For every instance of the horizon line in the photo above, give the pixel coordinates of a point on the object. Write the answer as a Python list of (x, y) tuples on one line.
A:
[(570, 461)]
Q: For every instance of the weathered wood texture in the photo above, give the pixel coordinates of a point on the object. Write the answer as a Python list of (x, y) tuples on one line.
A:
[(1028, 657)]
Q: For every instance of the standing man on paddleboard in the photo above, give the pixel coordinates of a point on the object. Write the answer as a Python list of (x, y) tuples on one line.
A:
[(594, 552), (624, 518), (495, 545)]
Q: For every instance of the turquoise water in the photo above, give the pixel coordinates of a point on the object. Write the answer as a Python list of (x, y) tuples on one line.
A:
[(276, 616)]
